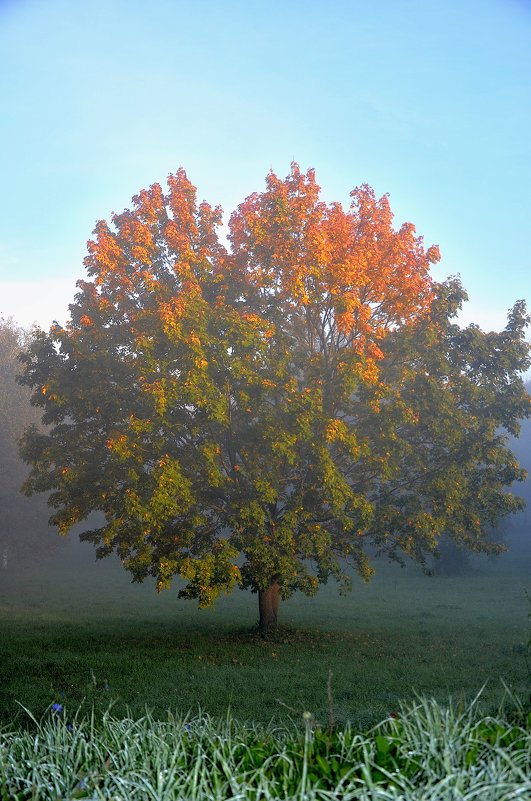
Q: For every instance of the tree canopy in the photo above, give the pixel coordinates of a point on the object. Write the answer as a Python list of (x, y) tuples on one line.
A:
[(257, 414)]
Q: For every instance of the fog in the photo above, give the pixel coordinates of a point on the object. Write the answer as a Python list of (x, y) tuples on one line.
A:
[(27, 543), (28, 546)]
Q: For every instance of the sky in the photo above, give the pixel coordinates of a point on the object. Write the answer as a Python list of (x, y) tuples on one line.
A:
[(428, 101)]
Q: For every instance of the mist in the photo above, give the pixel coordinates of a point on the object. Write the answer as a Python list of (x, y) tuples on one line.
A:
[(29, 545)]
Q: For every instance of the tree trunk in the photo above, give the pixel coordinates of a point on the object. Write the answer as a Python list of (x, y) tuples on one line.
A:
[(268, 601)]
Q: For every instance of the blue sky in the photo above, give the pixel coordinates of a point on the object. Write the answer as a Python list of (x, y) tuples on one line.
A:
[(429, 101)]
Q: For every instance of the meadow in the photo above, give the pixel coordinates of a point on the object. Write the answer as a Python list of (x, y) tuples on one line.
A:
[(79, 634)]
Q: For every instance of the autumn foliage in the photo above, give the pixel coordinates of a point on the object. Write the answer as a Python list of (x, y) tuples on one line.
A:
[(256, 415)]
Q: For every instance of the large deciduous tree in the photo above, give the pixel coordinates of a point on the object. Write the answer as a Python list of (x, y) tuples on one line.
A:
[(256, 416)]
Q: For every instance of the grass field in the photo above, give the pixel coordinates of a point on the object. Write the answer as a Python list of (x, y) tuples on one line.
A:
[(74, 632)]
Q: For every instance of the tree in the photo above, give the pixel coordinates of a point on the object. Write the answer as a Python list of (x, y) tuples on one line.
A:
[(256, 416), (24, 533)]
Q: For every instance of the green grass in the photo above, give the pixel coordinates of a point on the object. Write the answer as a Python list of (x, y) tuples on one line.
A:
[(428, 752), (80, 634)]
